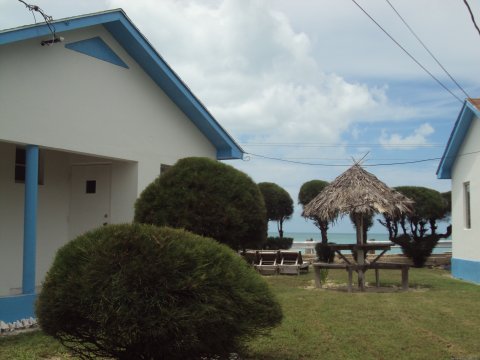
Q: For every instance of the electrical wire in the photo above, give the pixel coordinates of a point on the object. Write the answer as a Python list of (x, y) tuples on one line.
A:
[(326, 145), (350, 164), (341, 165), (426, 48), (48, 19), (406, 52), (471, 15)]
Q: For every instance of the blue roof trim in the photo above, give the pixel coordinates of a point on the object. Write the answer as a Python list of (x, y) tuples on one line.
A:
[(138, 47), (73, 23), (97, 48), (460, 129)]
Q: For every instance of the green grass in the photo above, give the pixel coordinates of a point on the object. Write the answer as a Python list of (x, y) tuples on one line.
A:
[(32, 345), (438, 318)]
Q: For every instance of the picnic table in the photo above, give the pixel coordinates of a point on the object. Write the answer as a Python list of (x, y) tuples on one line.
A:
[(360, 265)]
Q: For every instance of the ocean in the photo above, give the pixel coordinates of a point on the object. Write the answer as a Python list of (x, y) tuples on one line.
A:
[(339, 238), (350, 238)]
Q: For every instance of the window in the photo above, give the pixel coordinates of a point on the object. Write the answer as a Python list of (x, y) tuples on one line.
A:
[(91, 187), (20, 166), (466, 192)]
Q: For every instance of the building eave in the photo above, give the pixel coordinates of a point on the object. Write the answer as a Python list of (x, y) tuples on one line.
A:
[(455, 141)]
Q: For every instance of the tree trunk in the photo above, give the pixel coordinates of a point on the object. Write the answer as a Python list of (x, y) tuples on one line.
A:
[(280, 228), (323, 231)]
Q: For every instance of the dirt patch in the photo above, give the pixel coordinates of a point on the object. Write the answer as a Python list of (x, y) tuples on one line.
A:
[(343, 287)]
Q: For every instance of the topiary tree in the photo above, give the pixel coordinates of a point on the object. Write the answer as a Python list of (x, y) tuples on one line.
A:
[(418, 230), (208, 198), (308, 191), (137, 291), (278, 203), (276, 243)]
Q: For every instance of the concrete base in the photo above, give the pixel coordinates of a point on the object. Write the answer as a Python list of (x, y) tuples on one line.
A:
[(17, 307), (466, 270)]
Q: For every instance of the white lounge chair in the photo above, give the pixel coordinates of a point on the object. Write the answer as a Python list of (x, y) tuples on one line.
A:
[(268, 262), (291, 262)]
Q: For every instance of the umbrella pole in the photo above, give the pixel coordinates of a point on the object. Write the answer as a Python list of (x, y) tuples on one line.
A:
[(360, 252)]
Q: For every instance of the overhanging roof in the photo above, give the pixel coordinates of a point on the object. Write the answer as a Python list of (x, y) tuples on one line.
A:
[(138, 47), (467, 114)]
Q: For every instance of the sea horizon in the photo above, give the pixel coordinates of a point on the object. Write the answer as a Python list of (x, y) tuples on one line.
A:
[(338, 237), (345, 238)]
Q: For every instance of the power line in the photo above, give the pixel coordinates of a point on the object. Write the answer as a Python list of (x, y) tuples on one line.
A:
[(342, 165), (471, 15), (426, 48), (406, 52), (350, 164), (326, 145), (345, 159)]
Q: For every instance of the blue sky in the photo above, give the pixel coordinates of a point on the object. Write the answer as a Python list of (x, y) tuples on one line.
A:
[(313, 72)]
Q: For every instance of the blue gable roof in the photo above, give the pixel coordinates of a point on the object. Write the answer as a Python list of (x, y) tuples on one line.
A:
[(138, 47), (467, 114)]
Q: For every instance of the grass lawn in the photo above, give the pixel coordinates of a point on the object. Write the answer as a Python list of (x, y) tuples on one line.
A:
[(438, 318)]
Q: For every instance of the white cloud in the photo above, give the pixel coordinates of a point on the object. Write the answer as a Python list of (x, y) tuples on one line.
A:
[(255, 73), (416, 139)]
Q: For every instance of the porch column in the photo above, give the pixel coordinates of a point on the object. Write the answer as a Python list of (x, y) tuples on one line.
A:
[(30, 219)]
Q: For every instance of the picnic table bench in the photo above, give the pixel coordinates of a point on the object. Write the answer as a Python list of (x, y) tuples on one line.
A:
[(350, 268)]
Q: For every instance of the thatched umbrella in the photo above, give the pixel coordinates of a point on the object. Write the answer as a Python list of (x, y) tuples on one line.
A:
[(360, 193)]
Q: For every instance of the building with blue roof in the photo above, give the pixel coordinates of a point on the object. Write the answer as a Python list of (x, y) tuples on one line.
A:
[(90, 115), (461, 163)]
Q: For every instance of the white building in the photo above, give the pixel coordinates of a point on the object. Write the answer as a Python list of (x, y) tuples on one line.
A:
[(461, 164), (91, 120)]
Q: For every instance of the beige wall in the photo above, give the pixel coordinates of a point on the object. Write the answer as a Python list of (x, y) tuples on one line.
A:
[(466, 242)]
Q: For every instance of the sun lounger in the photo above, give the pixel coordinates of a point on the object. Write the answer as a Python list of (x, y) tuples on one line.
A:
[(268, 262), (291, 262)]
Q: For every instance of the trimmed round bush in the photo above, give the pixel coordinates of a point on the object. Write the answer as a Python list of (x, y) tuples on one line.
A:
[(208, 198), (138, 291)]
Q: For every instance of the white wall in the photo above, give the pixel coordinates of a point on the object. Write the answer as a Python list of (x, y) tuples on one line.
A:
[(53, 209), (52, 96), (123, 191), (52, 226), (466, 242)]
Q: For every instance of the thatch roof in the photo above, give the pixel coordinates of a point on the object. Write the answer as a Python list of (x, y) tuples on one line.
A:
[(359, 192)]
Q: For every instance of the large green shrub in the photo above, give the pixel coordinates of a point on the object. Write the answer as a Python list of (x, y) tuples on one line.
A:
[(143, 292), (417, 251), (208, 198)]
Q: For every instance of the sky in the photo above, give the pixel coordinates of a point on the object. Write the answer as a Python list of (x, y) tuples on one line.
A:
[(314, 83)]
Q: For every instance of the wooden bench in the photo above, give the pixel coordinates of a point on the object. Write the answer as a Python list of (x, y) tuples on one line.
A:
[(268, 262), (391, 266), (350, 268)]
